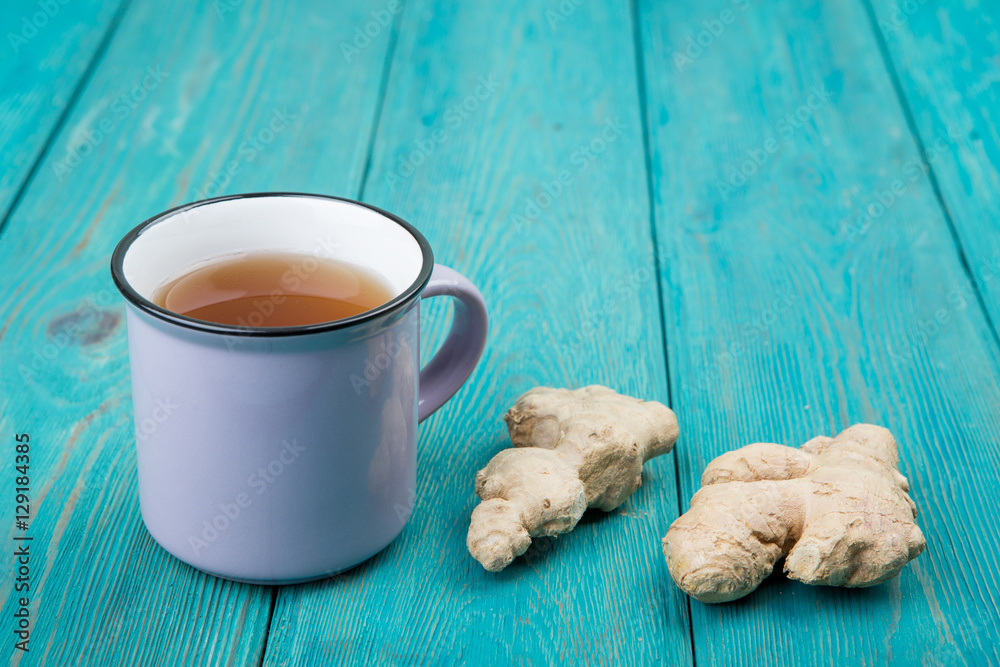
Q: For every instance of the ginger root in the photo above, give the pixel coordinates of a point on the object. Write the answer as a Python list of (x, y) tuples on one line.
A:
[(837, 509), (572, 450)]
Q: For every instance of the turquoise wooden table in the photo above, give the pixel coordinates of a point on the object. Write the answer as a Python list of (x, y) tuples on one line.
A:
[(779, 218)]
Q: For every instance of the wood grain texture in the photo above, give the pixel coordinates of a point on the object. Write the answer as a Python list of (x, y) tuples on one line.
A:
[(104, 592), (793, 304), (780, 327), (572, 297), (946, 57), (46, 49)]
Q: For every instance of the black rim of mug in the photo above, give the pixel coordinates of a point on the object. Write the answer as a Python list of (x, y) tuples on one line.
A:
[(408, 295)]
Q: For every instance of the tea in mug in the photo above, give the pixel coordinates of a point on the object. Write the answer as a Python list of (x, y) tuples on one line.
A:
[(274, 289)]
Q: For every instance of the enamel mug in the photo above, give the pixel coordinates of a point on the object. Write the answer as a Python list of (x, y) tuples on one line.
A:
[(282, 455)]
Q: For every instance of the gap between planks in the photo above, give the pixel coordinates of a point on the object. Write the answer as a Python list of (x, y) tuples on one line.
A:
[(74, 97), (911, 124)]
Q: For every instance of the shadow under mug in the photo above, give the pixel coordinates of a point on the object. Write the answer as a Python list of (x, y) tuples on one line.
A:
[(285, 454)]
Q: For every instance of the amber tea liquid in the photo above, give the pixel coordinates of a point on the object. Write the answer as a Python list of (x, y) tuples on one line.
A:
[(274, 289)]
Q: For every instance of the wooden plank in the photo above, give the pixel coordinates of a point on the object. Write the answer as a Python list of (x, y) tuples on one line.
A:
[(945, 60), (780, 327), (573, 301), (47, 49), (103, 592)]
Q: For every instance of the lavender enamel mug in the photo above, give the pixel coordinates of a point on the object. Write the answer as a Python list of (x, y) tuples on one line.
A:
[(285, 454)]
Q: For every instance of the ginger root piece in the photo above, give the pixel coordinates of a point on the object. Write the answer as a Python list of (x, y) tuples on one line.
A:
[(837, 509), (572, 450)]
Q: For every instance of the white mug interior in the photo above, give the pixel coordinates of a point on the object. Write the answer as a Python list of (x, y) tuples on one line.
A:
[(320, 227)]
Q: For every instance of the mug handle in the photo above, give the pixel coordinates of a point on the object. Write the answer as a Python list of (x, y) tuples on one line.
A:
[(451, 366)]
